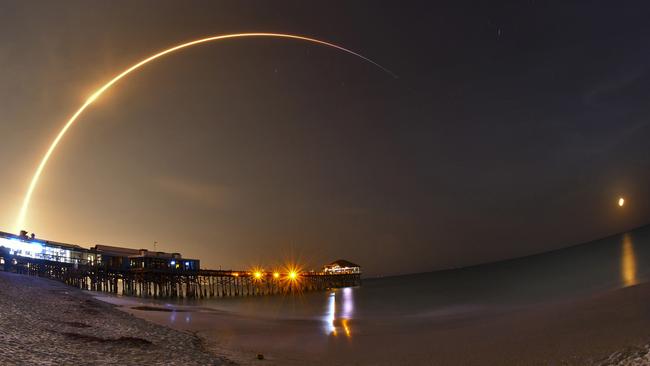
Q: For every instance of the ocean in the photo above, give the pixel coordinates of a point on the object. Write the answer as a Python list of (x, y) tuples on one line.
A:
[(502, 312), (613, 262)]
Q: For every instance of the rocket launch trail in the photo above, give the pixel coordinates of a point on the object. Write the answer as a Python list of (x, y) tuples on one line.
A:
[(71, 121)]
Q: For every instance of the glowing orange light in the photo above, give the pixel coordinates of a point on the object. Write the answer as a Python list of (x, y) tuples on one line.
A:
[(621, 201), (628, 261), (346, 327), (276, 275), (235, 274), (257, 273), (94, 96), (292, 273)]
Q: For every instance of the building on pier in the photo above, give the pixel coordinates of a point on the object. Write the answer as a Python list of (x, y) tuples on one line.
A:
[(30, 247), (140, 272), (127, 258), (100, 256), (341, 266)]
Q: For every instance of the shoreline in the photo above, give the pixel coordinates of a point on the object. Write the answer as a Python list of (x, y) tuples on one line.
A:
[(604, 329), (45, 322)]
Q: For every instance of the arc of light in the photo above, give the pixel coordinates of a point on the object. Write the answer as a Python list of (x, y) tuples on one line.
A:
[(39, 170)]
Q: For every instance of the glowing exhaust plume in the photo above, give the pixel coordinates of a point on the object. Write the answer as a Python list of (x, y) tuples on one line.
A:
[(39, 170)]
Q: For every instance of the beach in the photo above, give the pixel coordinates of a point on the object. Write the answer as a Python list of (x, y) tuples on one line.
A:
[(324, 183), (47, 323), (583, 305), (44, 322), (611, 328)]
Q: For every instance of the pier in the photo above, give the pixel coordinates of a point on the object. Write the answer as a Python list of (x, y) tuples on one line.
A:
[(142, 273)]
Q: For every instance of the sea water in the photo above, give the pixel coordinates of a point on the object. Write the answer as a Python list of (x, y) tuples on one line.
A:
[(613, 262), (424, 318)]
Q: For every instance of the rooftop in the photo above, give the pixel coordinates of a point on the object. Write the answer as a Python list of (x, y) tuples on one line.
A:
[(343, 263)]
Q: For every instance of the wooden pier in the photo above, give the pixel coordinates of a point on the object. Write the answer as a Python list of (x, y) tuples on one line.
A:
[(165, 283)]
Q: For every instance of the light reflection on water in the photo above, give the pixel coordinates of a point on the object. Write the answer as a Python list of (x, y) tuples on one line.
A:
[(628, 262), (334, 324), (348, 303), (330, 315)]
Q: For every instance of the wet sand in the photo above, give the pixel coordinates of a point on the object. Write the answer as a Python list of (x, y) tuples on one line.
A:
[(609, 328), (44, 322)]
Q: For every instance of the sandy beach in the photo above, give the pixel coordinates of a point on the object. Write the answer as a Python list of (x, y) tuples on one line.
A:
[(44, 322)]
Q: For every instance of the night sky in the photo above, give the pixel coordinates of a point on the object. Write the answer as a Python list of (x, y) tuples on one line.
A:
[(513, 128)]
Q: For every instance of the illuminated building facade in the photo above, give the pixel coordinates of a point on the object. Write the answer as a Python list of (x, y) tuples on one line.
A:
[(127, 258), (14, 247), (342, 266), (30, 247)]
